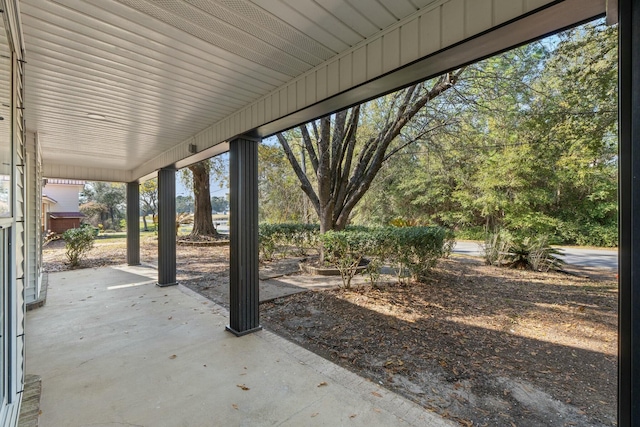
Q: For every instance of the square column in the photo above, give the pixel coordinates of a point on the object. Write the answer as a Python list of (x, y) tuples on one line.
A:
[(629, 214), (133, 223), (167, 227), (243, 234)]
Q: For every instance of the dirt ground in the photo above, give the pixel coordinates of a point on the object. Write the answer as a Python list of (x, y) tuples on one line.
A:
[(481, 345)]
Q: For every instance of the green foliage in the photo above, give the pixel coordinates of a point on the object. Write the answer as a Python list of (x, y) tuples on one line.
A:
[(103, 202), (417, 249), (281, 199), (219, 204), (285, 238), (149, 197), (184, 204), (534, 253), (471, 233), (78, 242), (533, 147), (409, 249), (345, 250)]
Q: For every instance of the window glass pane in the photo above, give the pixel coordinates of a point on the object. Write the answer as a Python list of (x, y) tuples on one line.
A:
[(5, 124)]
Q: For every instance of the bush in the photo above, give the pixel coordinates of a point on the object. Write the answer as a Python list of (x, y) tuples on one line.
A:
[(418, 248), (471, 233), (496, 247), (345, 250), (282, 238), (504, 249), (414, 250), (78, 241)]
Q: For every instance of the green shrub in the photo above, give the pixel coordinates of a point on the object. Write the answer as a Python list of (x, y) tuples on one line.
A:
[(420, 247), (496, 247), (345, 250), (78, 241), (525, 252), (414, 250), (542, 257), (284, 238), (471, 233)]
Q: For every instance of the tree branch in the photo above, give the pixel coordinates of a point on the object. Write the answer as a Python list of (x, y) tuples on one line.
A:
[(304, 181)]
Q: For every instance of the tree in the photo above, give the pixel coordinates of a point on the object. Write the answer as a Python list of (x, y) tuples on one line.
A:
[(279, 193), (111, 196), (219, 204), (533, 148), (184, 204), (202, 221), (149, 200), (345, 160)]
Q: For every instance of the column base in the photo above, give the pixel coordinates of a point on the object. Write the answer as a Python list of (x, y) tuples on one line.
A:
[(239, 334), (164, 285)]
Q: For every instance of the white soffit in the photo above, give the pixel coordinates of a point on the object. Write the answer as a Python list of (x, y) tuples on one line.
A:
[(161, 71), (159, 76)]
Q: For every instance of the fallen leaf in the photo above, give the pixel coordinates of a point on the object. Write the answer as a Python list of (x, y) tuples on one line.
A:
[(353, 415), (322, 384), (234, 406), (376, 394), (243, 387), (315, 414), (173, 356)]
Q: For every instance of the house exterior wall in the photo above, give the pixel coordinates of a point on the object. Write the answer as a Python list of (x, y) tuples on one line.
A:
[(67, 196), (13, 234)]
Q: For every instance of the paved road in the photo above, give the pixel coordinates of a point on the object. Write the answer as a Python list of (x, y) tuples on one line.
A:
[(600, 258)]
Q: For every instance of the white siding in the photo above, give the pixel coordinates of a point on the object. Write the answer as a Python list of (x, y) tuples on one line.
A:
[(67, 197)]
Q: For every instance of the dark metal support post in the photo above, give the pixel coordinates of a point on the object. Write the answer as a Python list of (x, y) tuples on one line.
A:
[(629, 208), (167, 227), (133, 223), (243, 229)]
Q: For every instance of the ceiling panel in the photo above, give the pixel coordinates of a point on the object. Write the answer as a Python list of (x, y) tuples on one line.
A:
[(160, 71)]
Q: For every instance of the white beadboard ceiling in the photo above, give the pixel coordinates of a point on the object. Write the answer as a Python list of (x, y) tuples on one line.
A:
[(160, 71), (163, 71)]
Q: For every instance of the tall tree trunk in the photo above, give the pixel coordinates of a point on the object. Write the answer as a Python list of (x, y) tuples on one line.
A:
[(144, 221), (202, 221), (344, 169)]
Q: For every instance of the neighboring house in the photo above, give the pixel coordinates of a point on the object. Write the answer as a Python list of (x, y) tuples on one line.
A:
[(61, 204)]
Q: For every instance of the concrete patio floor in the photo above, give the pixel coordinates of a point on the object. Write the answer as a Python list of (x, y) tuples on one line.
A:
[(113, 349)]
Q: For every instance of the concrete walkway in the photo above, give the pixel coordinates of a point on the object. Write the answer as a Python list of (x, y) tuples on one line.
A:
[(113, 349)]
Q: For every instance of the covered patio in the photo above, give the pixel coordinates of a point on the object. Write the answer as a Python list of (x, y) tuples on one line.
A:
[(114, 349), (128, 90)]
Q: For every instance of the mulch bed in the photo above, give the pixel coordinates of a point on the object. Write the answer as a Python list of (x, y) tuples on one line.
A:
[(481, 345)]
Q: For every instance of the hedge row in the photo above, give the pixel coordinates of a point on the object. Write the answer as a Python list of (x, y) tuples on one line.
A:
[(284, 239), (411, 251)]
